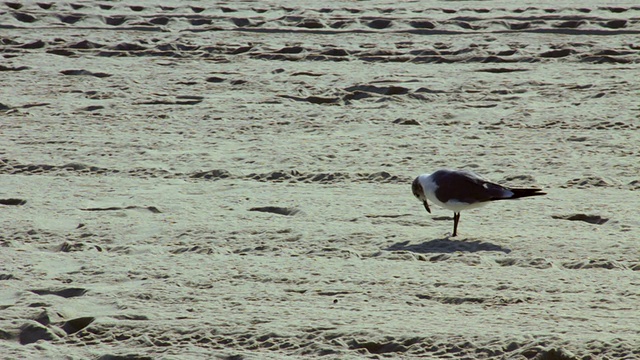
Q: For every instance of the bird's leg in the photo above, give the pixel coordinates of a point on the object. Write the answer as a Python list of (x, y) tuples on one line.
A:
[(456, 218)]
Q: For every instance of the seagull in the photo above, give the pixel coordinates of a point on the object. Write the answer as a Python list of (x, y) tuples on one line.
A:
[(458, 190)]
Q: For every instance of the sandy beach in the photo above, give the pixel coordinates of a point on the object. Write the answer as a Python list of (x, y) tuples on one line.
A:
[(189, 180)]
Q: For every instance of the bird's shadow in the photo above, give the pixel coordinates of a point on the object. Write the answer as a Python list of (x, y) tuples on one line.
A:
[(447, 245)]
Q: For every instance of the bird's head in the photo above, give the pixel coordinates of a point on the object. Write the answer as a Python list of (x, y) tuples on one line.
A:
[(418, 192)]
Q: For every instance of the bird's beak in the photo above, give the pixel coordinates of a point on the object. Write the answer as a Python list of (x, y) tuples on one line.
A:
[(426, 206)]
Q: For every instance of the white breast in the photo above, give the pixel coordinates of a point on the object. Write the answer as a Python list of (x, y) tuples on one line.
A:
[(430, 187)]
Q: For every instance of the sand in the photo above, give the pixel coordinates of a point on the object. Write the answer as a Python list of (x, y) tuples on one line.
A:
[(186, 180)]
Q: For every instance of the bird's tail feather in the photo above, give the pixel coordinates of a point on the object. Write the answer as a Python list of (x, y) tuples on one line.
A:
[(519, 193)]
